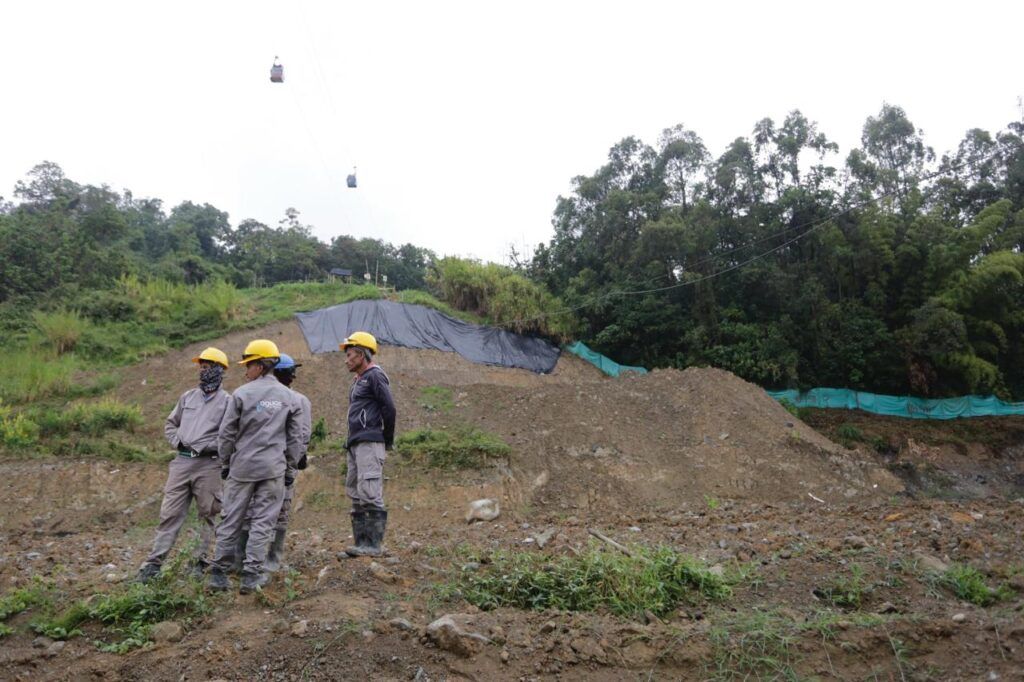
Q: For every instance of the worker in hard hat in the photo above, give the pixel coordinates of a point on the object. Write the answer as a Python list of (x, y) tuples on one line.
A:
[(259, 442), (194, 474), (371, 431), (284, 372)]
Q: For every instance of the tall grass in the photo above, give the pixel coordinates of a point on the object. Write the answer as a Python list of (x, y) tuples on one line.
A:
[(30, 374), (461, 447), (62, 329)]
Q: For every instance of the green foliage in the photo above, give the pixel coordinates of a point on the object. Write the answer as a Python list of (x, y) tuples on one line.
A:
[(62, 329), (29, 375), (127, 613), (848, 434), (319, 433), (757, 645), (967, 583), (5, 630), (417, 297), (846, 592), (460, 447), (657, 580), (436, 399), (503, 297), (24, 598), (16, 430), (91, 419)]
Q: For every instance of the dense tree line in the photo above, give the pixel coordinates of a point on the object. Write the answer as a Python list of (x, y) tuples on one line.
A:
[(894, 271), (63, 237)]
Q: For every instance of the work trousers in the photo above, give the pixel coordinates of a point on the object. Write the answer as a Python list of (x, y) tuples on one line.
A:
[(283, 516), (264, 498), (364, 481), (188, 478)]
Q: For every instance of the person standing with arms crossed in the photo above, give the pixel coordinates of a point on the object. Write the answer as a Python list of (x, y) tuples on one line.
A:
[(259, 450), (194, 473), (371, 431)]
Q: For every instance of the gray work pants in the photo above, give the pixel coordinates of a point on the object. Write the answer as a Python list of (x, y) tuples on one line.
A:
[(364, 481), (188, 478), (283, 516), (264, 498)]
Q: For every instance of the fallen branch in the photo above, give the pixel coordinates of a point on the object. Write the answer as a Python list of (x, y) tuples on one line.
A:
[(604, 538)]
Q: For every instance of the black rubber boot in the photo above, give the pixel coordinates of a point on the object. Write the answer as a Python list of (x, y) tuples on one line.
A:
[(198, 569), (360, 534), (147, 573), (243, 540), (377, 524), (219, 581), (275, 555), (252, 582)]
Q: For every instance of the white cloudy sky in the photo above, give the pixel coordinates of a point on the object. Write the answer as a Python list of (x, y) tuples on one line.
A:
[(466, 119)]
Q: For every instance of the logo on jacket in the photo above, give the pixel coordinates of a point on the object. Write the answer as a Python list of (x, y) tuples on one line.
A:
[(268, 405)]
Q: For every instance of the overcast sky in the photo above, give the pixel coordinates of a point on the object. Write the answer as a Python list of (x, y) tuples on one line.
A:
[(466, 120)]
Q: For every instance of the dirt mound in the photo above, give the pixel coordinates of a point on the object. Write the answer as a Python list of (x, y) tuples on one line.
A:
[(580, 440)]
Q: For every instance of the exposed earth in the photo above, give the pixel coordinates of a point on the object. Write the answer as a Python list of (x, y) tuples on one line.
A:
[(697, 460)]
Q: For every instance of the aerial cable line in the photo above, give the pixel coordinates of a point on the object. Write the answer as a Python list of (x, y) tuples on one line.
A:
[(810, 226)]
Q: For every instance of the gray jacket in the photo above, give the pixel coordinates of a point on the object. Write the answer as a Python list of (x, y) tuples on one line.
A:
[(194, 422), (260, 436), (306, 427)]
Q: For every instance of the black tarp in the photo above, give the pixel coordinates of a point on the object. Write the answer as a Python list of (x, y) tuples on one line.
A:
[(416, 326)]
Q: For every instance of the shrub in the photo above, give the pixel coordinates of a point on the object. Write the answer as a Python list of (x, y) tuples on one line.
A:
[(93, 419), (459, 448), (16, 430), (29, 375), (967, 583)]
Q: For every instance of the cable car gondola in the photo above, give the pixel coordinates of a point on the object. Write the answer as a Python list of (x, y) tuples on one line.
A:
[(351, 179), (276, 72)]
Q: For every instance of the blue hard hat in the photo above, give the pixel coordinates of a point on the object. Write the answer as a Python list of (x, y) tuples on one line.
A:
[(286, 362)]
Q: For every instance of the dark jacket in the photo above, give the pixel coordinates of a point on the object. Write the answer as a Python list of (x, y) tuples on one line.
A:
[(371, 409)]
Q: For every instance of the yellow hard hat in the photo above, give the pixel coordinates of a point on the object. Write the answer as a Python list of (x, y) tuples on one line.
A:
[(260, 349), (360, 339), (212, 354)]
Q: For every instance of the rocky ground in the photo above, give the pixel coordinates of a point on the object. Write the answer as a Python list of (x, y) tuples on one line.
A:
[(839, 560)]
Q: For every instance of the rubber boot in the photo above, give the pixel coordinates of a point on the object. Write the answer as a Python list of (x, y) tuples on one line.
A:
[(243, 540), (219, 581), (360, 534), (275, 555), (377, 524), (147, 573), (374, 522), (198, 569), (253, 581)]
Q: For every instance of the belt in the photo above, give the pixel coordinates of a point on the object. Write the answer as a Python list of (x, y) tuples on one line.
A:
[(192, 454)]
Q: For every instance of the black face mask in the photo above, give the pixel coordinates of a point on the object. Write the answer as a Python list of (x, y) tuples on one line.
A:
[(210, 378)]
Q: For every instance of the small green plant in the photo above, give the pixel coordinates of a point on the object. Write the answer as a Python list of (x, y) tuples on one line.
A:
[(458, 448), (758, 645), (848, 434), (24, 598), (712, 503), (436, 399), (846, 592), (16, 430), (5, 630), (655, 580), (319, 433), (967, 583), (128, 613)]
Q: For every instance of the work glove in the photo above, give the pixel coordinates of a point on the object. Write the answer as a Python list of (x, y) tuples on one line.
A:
[(224, 474), (303, 463), (288, 480)]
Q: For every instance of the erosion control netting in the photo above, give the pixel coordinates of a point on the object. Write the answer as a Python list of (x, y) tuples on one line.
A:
[(415, 326)]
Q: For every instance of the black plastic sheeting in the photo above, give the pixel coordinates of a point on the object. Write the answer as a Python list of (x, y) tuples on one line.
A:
[(415, 326)]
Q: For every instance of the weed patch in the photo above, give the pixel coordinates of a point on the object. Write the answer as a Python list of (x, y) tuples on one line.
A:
[(655, 580), (126, 615), (436, 399), (457, 448), (846, 592), (967, 583), (24, 598)]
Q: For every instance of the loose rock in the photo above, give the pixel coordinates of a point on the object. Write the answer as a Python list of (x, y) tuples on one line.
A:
[(483, 510), (450, 633), (300, 628), (382, 574), (855, 542), (167, 631), (959, 617)]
